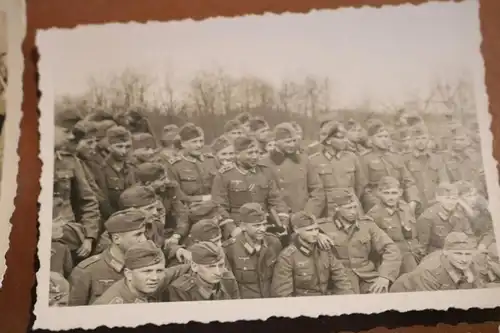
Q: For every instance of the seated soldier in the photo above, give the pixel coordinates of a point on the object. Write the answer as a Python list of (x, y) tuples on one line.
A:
[(445, 269), (208, 279), (58, 290), (396, 219), (60, 256), (490, 273), (372, 259), (146, 279), (223, 150), (304, 269), (253, 253)]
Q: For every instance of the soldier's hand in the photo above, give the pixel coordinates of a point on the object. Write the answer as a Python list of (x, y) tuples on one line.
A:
[(381, 285), (85, 249), (183, 256), (236, 232), (325, 242)]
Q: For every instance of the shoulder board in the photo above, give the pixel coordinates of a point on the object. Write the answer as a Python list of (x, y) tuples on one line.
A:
[(184, 282), (289, 250), (323, 220), (366, 218), (311, 145), (366, 152), (210, 155), (314, 154), (229, 242), (116, 300), (226, 168), (174, 159), (262, 164), (89, 261)]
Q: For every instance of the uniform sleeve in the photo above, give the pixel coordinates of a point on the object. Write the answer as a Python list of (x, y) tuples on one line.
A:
[(360, 179), (424, 228), (338, 275), (173, 175), (408, 184), (80, 283), (282, 282), (391, 256), (105, 205), (221, 198), (317, 197), (87, 202), (68, 262), (173, 273), (175, 294), (274, 198), (181, 214)]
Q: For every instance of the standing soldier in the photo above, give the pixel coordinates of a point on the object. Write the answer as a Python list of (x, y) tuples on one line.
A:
[(490, 274), (447, 270), (304, 269), (223, 150), (252, 254), (117, 174), (270, 145), (143, 148), (380, 162), (259, 130), (426, 167), (443, 217), (248, 180), (168, 140), (338, 168), (295, 176), (209, 278), (93, 276), (101, 137), (357, 138), (404, 141), (136, 122), (60, 255), (192, 169), (244, 119), (372, 259), (395, 218), (233, 130)]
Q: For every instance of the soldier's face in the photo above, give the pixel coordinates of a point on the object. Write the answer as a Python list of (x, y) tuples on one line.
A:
[(87, 145), (128, 239), (461, 259), (211, 273), (448, 201), (391, 196), (407, 143), (147, 279), (460, 142), (422, 142), (349, 212), (381, 140), (249, 157), (337, 141), (120, 150), (235, 133), (309, 233), (355, 133), (151, 211), (193, 146), (226, 155), (270, 145), (62, 137), (256, 230), (288, 145)]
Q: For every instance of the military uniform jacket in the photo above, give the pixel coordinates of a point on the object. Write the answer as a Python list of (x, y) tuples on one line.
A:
[(79, 202), (435, 224), (120, 293), (435, 273), (233, 187), (298, 182), (360, 244), (195, 176), (189, 287), (93, 276), (305, 270), (253, 267), (378, 164), (428, 170), (60, 258), (338, 170)]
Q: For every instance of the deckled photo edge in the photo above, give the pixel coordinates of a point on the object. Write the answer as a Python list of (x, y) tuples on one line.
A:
[(224, 311), (16, 30)]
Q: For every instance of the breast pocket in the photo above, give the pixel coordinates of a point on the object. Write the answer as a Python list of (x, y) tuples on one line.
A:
[(189, 181), (62, 183), (327, 177), (260, 192), (238, 193), (376, 170), (245, 271), (116, 184), (360, 248), (304, 277)]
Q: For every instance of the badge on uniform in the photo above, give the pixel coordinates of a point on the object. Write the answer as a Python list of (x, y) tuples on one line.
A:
[(305, 250), (248, 247), (244, 259), (302, 264)]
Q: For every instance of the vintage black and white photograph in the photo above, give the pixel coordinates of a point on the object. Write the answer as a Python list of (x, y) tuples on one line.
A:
[(338, 160)]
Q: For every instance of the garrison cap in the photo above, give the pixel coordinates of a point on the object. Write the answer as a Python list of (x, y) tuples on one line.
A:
[(334, 127), (458, 241), (257, 123), (243, 118), (493, 251), (148, 172), (137, 196), (58, 289), (325, 118), (243, 143), (205, 230), (350, 124), (200, 210), (206, 253), (67, 118), (103, 126), (252, 212), (189, 132), (375, 127), (446, 189), (284, 131), (125, 220), (220, 143), (344, 197), (143, 140), (84, 129), (387, 182), (302, 219), (117, 134), (232, 125), (143, 254), (100, 115)]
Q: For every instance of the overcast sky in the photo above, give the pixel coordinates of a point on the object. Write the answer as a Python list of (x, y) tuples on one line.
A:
[(383, 54)]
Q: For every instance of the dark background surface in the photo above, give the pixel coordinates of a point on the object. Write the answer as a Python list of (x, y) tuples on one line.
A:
[(17, 295)]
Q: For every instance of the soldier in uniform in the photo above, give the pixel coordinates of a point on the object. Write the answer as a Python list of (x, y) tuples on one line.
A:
[(233, 130), (143, 148), (168, 138), (244, 120), (443, 217), (60, 255), (252, 254), (270, 144), (208, 279), (380, 162), (305, 269), (357, 138), (146, 278), (192, 169), (490, 274), (223, 150), (372, 259), (296, 177), (248, 180), (101, 137), (396, 219), (338, 169), (93, 276), (448, 269), (426, 167), (259, 130), (404, 141), (117, 173), (58, 290), (324, 130)]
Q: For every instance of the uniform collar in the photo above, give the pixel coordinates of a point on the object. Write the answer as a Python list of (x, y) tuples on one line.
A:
[(205, 289), (443, 214), (250, 246), (278, 157), (417, 153), (302, 246), (330, 154), (244, 171), (454, 273), (113, 262), (191, 158), (393, 210), (346, 226), (132, 297)]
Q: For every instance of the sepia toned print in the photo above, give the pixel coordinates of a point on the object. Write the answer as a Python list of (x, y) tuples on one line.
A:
[(263, 159)]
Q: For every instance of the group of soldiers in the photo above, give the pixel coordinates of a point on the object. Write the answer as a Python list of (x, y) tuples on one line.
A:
[(259, 213)]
